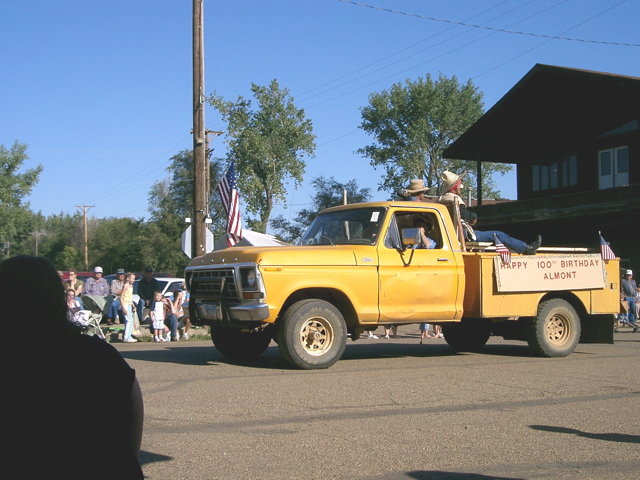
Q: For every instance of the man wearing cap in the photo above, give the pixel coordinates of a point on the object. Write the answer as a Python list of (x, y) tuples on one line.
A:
[(96, 285), (115, 289), (146, 288), (629, 288), (450, 194)]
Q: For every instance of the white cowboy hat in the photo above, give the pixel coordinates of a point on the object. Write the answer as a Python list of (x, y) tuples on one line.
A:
[(449, 179), (416, 186)]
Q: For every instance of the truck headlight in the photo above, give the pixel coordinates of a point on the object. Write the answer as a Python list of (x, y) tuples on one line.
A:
[(248, 276)]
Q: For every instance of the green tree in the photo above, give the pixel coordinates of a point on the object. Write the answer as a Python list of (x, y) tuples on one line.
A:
[(15, 186), (413, 122), (68, 257), (268, 145), (328, 193), (63, 241)]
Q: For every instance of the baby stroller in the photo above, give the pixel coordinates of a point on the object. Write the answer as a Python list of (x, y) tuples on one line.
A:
[(88, 322)]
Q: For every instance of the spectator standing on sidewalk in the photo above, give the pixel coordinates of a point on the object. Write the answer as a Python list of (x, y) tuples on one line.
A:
[(126, 301), (629, 289)]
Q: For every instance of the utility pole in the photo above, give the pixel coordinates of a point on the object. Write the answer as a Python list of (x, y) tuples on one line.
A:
[(200, 207), (85, 208), (36, 235)]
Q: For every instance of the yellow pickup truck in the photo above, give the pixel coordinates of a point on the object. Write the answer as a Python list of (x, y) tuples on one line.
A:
[(360, 266)]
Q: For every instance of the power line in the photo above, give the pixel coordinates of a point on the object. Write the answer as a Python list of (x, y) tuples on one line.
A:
[(500, 30)]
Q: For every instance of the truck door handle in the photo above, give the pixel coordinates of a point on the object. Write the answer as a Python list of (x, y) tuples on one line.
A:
[(444, 259)]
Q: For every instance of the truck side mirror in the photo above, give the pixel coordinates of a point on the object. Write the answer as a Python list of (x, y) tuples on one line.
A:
[(411, 237)]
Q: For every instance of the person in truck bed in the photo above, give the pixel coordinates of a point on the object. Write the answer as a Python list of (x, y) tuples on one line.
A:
[(450, 195)]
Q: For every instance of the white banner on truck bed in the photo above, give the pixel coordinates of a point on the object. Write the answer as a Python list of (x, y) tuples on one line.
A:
[(550, 273)]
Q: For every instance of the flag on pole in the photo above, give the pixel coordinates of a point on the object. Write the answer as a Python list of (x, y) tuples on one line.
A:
[(505, 253), (228, 190), (605, 250)]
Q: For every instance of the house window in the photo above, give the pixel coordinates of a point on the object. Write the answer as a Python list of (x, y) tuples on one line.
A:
[(555, 176), (613, 167), (570, 171)]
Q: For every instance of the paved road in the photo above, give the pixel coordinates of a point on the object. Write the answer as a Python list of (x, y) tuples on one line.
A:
[(392, 409)]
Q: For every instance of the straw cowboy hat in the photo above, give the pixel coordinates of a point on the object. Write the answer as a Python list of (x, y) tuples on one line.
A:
[(416, 186), (449, 179)]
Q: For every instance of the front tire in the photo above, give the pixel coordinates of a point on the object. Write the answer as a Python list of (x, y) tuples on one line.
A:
[(555, 331), (312, 334), (239, 345)]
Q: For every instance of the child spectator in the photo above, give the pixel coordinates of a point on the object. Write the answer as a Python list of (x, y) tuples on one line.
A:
[(181, 300), (126, 301), (157, 316), (168, 313)]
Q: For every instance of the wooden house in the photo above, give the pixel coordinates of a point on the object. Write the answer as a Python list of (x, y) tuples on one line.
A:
[(574, 137)]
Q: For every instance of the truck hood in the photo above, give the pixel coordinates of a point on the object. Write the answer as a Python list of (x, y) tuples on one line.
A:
[(294, 255)]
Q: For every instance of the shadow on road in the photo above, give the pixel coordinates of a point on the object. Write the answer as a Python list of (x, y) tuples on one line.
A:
[(150, 457), (609, 437), (440, 475), (205, 354)]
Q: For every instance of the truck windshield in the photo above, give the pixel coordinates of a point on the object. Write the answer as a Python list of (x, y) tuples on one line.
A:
[(360, 226)]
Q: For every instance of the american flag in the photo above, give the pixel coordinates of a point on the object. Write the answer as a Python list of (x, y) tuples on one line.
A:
[(228, 190), (505, 253), (605, 250)]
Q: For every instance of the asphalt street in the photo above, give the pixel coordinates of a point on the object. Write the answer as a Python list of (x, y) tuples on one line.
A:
[(391, 409)]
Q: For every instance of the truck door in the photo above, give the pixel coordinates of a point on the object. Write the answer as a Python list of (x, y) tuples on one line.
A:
[(418, 284)]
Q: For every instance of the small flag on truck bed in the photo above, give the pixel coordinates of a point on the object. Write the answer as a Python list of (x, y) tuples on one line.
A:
[(505, 253), (605, 250)]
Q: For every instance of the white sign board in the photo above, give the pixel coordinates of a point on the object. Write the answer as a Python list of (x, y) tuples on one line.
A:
[(186, 241), (539, 273)]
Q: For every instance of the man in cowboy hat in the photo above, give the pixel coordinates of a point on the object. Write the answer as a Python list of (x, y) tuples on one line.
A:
[(450, 193), (415, 191)]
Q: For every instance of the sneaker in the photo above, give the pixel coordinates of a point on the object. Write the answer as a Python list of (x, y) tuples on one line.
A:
[(372, 336), (386, 336), (175, 339), (130, 340), (185, 336), (156, 339), (167, 338)]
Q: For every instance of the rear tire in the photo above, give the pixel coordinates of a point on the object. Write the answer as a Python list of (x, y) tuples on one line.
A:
[(555, 331), (312, 334), (239, 345), (467, 336)]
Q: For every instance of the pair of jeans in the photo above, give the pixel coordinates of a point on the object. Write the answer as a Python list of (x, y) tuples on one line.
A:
[(631, 317), (128, 322), (511, 243), (115, 310)]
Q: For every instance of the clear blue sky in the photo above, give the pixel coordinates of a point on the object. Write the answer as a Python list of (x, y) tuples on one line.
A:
[(100, 91)]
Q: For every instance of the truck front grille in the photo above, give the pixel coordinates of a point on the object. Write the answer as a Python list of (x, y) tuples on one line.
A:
[(207, 284)]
